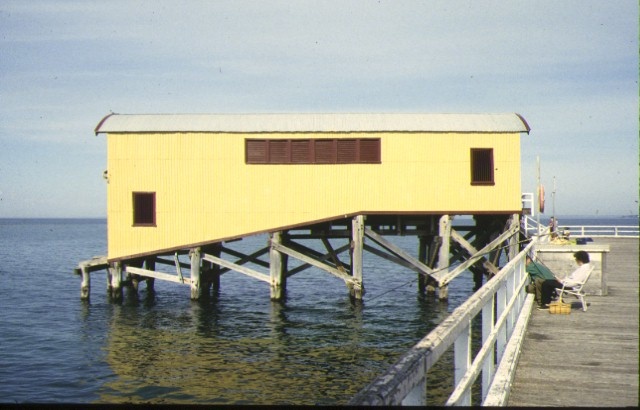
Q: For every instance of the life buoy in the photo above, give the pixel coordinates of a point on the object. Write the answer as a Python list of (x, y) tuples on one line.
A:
[(541, 199)]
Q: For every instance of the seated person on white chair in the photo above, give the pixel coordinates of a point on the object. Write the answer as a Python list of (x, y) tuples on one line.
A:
[(576, 277)]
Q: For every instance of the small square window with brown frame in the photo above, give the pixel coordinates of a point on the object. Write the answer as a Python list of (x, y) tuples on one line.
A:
[(482, 166), (144, 209)]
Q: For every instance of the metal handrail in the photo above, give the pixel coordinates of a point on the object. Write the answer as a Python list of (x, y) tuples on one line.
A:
[(603, 230), (531, 227), (500, 300)]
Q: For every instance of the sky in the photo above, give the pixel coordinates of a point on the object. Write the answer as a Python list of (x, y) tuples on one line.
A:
[(569, 67)]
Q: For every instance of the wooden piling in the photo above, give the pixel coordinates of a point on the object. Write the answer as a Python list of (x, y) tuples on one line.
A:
[(150, 264), (116, 281), (443, 255), (196, 258), (277, 268), (85, 286), (356, 287), (422, 257)]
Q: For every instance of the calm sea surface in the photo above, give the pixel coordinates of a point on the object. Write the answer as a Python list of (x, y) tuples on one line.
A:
[(238, 348)]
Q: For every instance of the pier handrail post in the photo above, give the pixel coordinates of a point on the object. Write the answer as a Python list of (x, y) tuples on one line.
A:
[(462, 360), (488, 325)]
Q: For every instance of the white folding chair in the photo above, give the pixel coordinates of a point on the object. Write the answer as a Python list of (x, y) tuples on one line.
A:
[(576, 290)]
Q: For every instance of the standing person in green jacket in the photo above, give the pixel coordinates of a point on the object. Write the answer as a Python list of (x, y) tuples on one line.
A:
[(539, 273)]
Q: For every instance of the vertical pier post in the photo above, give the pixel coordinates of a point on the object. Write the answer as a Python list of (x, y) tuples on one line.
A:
[(443, 256), (215, 269), (277, 268), (134, 280), (116, 281), (150, 264), (422, 257), (356, 290), (85, 286), (195, 255), (434, 249)]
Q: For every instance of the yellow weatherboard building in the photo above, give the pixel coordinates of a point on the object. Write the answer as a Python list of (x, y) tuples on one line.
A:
[(179, 181)]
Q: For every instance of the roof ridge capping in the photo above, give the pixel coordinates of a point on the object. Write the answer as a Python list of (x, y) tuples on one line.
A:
[(313, 122)]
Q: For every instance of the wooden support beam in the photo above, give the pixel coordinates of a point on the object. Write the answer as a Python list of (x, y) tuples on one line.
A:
[(445, 277), (150, 264), (253, 258), (214, 270), (85, 268), (320, 257), (196, 259), (178, 267), (153, 274), (94, 264), (332, 254), (237, 268), (278, 268), (444, 230), (85, 286), (174, 262), (422, 257), (133, 279), (472, 251), (397, 251), (318, 264), (116, 281), (356, 286), (391, 258)]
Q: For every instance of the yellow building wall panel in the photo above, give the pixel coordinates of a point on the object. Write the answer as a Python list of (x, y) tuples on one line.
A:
[(205, 191)]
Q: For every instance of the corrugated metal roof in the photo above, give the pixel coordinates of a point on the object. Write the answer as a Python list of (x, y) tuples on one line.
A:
[(360, 122)]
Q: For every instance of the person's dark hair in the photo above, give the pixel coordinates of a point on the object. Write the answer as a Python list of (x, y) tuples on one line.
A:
[(582, 256)]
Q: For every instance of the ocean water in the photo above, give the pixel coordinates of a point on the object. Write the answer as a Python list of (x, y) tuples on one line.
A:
[(163, 348)]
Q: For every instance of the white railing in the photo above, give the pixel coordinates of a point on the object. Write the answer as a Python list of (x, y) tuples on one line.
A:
[(500, 302), (531, 227), (602, 230)]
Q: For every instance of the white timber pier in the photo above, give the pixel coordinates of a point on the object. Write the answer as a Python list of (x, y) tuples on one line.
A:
[(529, 357), (585, 358)]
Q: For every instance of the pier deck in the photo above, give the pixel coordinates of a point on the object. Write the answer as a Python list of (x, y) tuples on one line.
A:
[(586, 358)]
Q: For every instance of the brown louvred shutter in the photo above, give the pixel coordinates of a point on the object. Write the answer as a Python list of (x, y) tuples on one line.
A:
[(256, 151), (278, 151), (347, 151), (369, 151), (325, 151), (300, 152)]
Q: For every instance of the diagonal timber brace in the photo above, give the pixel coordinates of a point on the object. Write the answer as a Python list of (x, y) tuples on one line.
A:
[(237, 268), (391, 258), (242, 258), (445, 277), (421, 267), (472, 251), (320, 257), (307, 259)]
